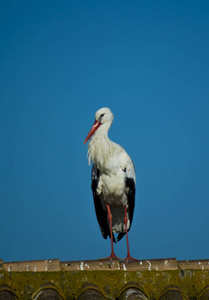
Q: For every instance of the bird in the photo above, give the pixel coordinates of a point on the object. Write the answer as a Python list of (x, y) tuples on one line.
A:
[(113, 181)]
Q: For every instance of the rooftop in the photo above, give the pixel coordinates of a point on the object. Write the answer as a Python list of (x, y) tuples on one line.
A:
[(98, 279)]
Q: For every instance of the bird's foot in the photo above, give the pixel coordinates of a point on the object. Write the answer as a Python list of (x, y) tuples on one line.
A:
[(111, 257), (129, 258)]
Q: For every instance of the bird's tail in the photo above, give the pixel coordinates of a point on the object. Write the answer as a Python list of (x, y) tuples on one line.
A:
[(120, 236)]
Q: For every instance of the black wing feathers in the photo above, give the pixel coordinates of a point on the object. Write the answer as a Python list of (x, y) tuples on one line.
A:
[(131, 197), (100, 212), (130, 184)]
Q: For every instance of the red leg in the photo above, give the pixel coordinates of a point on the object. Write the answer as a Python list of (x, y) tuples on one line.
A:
[(129, 257), (109, 215)]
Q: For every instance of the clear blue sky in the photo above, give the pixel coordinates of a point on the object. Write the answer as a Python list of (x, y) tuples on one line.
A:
[(148, 61)]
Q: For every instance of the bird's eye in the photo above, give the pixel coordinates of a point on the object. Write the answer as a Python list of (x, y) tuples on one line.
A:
[(102, 115)]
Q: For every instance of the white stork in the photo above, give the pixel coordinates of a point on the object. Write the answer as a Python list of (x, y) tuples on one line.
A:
[(113, 181)]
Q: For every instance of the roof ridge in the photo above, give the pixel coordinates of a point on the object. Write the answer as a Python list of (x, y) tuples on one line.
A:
[(53, 265)]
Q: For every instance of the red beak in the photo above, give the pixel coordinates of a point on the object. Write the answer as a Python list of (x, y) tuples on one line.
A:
[(93, 129)]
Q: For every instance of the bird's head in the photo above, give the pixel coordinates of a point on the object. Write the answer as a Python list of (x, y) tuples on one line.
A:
[(103, 117)]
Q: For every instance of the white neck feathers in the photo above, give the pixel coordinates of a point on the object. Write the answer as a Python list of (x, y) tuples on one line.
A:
[(98, 149)]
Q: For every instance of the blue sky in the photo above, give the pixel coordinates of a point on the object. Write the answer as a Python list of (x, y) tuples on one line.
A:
[(61, 61)]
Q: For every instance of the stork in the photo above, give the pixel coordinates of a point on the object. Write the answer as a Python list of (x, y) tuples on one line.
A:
[(113, 181)]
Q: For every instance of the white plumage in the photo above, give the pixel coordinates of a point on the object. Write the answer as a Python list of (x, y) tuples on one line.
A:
[(113, 180)]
